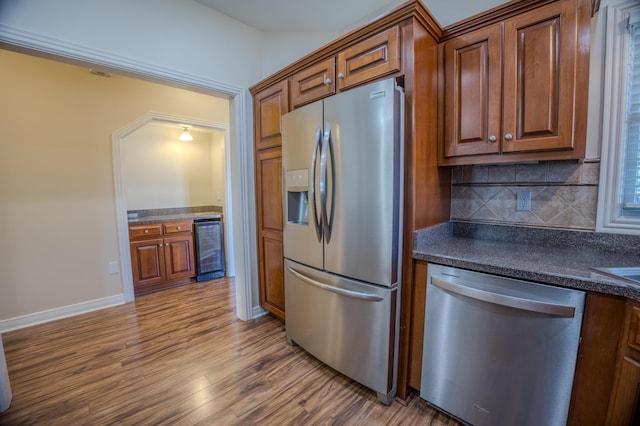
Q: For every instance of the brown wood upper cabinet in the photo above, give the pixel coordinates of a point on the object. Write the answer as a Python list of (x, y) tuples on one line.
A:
[(370, 59), (517, 90), (312, 83)]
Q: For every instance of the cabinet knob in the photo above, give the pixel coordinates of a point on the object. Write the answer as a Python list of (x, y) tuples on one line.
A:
[(146, 231), (179, 228), (340, 75), (508, 137), (492, 138), (327, 81), (166, 245)]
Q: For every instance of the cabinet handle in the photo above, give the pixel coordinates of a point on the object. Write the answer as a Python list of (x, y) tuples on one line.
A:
[(146, 231), (492, 138), (340, 75), (508, 137)]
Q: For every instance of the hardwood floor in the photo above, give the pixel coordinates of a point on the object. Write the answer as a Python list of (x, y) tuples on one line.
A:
[(181, 357)]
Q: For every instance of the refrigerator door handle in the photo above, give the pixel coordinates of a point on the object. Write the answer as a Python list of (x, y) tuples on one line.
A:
[(327, 146), (341, 291), (317, 221)]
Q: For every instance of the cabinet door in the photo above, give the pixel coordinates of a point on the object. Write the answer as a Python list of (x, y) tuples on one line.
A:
[(540, 50), (270, 225), (370, 59), (272, 292), (625, 403), (314, 82), (473, 72), (179, 257), (268, 106), (147, 262)]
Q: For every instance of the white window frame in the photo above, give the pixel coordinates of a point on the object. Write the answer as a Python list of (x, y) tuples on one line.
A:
[(611, 191)]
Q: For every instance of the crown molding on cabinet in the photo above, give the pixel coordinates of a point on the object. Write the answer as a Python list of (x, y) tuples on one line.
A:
[(411, 9)]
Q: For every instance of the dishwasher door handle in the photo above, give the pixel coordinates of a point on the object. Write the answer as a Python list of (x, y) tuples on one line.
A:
[(504, 300), (341, 291)]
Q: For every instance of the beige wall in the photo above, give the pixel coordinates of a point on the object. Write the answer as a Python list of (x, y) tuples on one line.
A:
[(57, 211), (161, 171)]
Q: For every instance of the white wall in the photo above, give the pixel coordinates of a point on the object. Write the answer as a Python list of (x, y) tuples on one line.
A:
[(161, 171), (280, 49), (177, 36), (218, 174)]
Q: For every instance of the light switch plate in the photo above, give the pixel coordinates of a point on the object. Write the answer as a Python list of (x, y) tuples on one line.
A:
[(114, 268)]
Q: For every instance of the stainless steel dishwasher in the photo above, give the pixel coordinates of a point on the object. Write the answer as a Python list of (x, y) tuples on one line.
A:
[(499, 351)]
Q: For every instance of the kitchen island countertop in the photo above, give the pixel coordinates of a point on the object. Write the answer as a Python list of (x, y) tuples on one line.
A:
[(552, 256)]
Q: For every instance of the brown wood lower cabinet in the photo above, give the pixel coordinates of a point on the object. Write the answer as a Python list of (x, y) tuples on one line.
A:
[(624, 407), (164, 261)]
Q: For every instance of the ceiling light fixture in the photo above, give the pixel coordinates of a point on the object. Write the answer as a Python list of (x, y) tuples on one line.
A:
[(186, 136)]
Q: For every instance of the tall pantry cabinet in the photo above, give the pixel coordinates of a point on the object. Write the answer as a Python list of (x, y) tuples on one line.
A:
[(269, 105), (401, 44)]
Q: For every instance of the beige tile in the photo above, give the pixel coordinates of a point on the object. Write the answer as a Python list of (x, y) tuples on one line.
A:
[(503, 204), (590, 173), (486, 192), (485, 214), (465, 201), (525, 218), (563, 171), (548, 204), (475, 174), (502, 174), (457, 174), (582, 198), (531, 172), (570, 218)]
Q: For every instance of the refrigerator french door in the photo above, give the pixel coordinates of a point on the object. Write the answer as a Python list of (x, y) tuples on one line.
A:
[(342, 160)]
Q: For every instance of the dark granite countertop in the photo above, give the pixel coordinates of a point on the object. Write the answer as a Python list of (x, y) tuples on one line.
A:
[(558, 257), (144, 217), (174, 217)]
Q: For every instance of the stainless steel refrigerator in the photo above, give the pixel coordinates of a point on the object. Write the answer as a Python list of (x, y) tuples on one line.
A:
[(342, 160)]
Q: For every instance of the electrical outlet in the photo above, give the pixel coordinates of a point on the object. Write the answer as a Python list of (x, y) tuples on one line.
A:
[(114, 268), (523, 201)]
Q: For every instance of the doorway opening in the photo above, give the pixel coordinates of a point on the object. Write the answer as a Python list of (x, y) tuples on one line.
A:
[(141, 184)]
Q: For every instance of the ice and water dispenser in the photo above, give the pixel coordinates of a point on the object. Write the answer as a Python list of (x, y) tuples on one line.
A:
[(297, 182)]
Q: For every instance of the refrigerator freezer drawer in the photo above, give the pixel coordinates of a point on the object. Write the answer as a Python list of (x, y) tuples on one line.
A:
[(346, 324)]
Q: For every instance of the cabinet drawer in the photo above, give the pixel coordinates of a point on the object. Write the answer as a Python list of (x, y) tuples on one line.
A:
[(314, 82), (370, 59), (144, 231), (634, 329), (177, 227)]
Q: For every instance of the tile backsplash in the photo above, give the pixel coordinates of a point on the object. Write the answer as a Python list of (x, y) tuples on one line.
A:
[(563, 193)]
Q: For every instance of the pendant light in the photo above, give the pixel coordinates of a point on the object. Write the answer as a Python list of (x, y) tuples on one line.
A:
[(186, 136)]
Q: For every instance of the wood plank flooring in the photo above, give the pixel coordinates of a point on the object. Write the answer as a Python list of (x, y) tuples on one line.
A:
[(180, 356)]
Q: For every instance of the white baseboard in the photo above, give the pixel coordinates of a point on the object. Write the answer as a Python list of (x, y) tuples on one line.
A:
[(257, 311), (59, 313)]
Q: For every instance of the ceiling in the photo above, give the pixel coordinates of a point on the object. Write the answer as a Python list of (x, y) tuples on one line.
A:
[(334, 15)]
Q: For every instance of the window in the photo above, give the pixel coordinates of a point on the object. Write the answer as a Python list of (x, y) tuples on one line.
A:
[(631, 137), (619, 192)]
